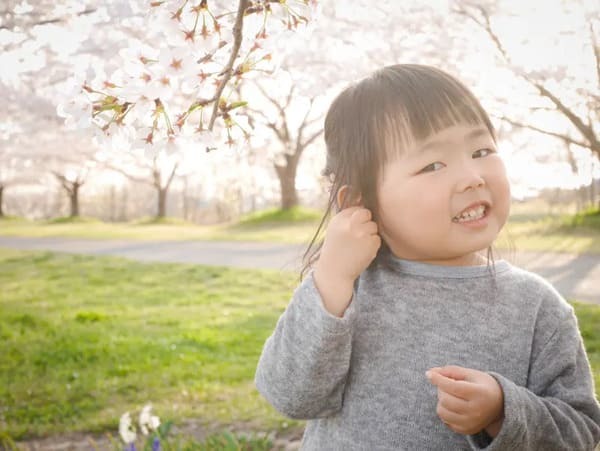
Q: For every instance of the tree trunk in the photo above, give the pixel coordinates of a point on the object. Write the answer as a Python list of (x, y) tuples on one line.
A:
[(1, 210), (123, 210), (597, 195), (185, 200), (162, 202), (287, 182), (112, 204), (74, 197)]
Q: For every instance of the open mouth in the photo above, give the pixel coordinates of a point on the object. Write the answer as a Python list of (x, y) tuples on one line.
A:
[(472, 213)]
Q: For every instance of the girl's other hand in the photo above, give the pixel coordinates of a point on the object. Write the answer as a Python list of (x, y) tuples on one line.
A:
[(468, 400)]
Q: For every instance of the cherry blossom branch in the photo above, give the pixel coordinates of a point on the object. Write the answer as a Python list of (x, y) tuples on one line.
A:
[(227, 72)]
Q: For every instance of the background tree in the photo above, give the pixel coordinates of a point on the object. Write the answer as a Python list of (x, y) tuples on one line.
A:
[(293, 134), (567, 107), (154, 173), (44, 43)]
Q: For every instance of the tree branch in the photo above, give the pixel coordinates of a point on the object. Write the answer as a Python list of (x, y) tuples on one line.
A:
[(237, 42), (10, 26), (596, 48), (271, 125), (127, 175), (304, 123), (63, 181), (565, 138), (586, 130), (314, 136), (285, 131), (170, 179)]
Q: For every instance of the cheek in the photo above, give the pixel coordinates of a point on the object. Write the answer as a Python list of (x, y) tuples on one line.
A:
[(411, 210), (502, 193)]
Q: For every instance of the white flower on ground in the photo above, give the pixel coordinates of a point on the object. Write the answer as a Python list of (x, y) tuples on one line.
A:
[(126, 430), (148, 422)]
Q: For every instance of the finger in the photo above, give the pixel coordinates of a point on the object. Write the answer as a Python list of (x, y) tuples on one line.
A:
[(456, 372), (371, 228), (452, 403), (375, 245), (456, 428), (449, 417), (361, 215), (349, 211), (460, 389), (376, 241)]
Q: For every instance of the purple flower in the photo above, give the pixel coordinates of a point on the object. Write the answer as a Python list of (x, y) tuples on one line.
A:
[(130, 447), (156, 444)]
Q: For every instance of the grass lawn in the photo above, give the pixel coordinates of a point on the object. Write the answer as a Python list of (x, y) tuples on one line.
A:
[(296, 226), (574, 234), (525, 230), (84, 339)]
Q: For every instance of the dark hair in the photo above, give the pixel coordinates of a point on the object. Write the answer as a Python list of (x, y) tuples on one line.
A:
[(377, 118)]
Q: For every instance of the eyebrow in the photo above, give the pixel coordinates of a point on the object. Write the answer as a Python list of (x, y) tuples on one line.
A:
[(477, 133)]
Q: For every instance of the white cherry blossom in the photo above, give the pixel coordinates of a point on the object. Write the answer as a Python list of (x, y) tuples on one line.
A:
[(173, 72)]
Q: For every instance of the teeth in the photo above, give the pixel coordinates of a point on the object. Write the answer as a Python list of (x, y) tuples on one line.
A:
[(470, 215)]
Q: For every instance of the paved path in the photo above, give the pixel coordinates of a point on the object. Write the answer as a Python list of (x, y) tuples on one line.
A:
[(575, 276)]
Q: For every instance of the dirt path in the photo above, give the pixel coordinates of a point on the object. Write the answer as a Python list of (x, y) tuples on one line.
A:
[(574, 276)]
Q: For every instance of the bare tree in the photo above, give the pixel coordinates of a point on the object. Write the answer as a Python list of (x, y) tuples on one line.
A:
[(293, 142), (157, 177), (71, 187)]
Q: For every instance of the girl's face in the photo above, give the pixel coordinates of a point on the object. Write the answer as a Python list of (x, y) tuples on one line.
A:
[(445, 198)]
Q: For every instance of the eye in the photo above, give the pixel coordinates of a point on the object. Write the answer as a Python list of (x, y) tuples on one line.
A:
[(432, 167), (482, 153)]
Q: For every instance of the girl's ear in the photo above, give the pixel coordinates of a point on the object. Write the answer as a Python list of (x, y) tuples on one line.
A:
[(344, 200)]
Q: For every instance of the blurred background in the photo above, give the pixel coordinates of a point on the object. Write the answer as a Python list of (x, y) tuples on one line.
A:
[(534, 65)]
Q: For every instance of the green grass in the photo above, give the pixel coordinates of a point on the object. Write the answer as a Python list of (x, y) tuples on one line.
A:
[(277, 216), (531, 228), (588, 316), (588, 219), (73, 220), (84, 339), (161, 221), (526, 229), (566, 233), (254, 229)]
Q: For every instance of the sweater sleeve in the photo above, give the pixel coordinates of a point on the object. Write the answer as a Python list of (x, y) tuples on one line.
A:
[(304, 364), (558, 410)]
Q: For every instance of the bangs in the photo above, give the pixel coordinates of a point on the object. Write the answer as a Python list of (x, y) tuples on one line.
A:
[(420, 105)]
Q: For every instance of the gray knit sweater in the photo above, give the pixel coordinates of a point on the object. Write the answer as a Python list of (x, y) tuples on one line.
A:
[(360, 380)]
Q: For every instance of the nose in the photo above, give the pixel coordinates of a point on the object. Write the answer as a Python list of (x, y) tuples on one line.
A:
[(470, 179)]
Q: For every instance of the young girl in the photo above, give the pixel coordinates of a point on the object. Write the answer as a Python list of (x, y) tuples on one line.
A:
[(404, 336)]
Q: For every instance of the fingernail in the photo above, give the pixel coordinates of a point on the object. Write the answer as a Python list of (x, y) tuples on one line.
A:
[(428, 374)]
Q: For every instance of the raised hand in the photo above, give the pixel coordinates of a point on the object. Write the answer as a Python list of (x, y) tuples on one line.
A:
[(351, 244), (468, 400)]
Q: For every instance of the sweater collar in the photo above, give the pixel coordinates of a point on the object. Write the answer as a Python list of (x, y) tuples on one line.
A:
[(443, 271)]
